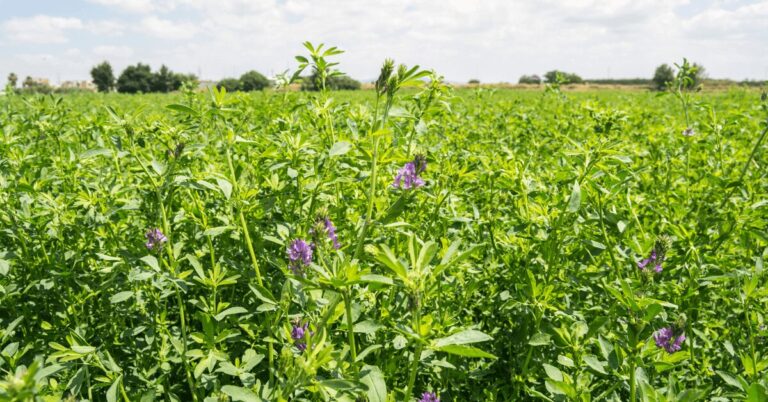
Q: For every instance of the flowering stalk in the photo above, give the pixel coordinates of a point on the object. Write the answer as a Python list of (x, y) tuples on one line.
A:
[(166, 232)]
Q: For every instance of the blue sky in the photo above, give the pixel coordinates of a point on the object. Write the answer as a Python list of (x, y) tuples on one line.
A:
[(492, 40)]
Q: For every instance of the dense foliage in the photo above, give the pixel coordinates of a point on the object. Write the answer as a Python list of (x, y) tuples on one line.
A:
[(384, 245), (139, 78)]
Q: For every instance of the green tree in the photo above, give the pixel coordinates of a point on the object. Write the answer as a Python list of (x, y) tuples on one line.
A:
[(561, 77), (332, 82), (253, 81), (103, 77), (180, 79), (162, 80), (12, 80), (231, 84), (663, 76), (529, 79), (135, 79)]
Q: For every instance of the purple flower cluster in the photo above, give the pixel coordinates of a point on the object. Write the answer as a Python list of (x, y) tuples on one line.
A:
[(408, 177), (429, 397), (324, 224), (155, 239), (665, 338), (297, 334), (653, 258), (299, 255), (658, 254), (689, 132)]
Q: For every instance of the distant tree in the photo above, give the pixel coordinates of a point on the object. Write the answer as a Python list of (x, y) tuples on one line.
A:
[(555, 76), (162, 80), (333, 83), (31, 85), (231, 84), (529, 79), (663, 76), (253, 81), (181, 79), (474, 81), (103, 77), (135, 79), (12, 80)]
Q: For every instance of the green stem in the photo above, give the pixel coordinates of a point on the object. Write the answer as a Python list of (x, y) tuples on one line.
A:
[(751, 340), (371, 198), (350, 326)]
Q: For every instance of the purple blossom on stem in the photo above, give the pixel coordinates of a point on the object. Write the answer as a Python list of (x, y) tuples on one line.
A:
[(429, 397), (689, 132), (408, 177), (299, 255), (652, 258), (155, 239), (665, 338), (331, 231), (657, 256), (297, 334)]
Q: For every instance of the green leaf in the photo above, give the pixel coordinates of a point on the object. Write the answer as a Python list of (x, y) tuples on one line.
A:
[(368, 327), (756, 393), (575, 201), (387, 257), (240, 394), (225, 186), (594, 364), (181, 108), (462, 338), (263, 293), (95, 152), (121, 297), (466, 351), (5, 266), (339, 148), (213, 232), (230, 311), (373, 378), (553, 372), (112, 391), (151, 261), (730, 380), (373, 278), (540, 339)]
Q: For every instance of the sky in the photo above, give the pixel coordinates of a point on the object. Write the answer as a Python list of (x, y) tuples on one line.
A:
[(489, 40)]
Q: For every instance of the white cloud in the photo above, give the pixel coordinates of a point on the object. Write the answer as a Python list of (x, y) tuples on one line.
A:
[(136, 6), (493, 40), (167, 29), (40, 29), (113, 52)]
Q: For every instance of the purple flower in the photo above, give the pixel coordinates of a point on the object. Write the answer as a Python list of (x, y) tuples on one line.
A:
[(408, 177), (689, 132), (331, 231), (665, 338), (299, 255), (297, 334), (429, 397), (155, 239), (657, 256)]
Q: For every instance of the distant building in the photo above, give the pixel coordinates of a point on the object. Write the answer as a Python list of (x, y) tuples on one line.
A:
[(83, 85), (30, 82), (205, 84)]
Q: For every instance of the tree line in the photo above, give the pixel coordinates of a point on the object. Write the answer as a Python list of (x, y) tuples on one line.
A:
[(139, 78), (662, 77)]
